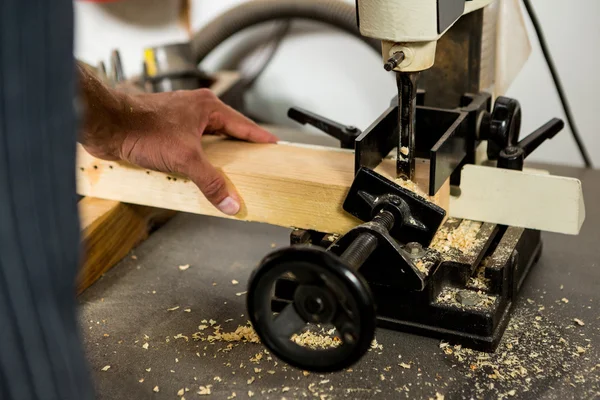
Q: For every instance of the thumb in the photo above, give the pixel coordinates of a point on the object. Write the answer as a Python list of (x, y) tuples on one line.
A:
[(213, 184)]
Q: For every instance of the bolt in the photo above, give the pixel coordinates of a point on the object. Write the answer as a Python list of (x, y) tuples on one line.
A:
[(467, 298), (394, 60), (511, 151), (361, 248), (414, 249)]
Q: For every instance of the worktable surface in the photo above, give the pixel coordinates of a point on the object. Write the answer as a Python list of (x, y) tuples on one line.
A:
[(544, 353)]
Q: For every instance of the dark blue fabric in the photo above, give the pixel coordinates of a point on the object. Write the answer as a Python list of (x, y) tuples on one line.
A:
[(40, 352)]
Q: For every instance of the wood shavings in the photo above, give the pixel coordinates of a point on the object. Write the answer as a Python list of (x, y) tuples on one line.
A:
[(187, 310), (250, 393), (413, 187), (180, 392), (233, 395), (217, 379), (145, 346), (564, 300), (173, 308), (241, 293), (234, 282), (141, 380), (285, 389), (257, 370), (134, 257), (461, 239), (375, 345), (270, 372), (156, 389), (249, 381), (148, 369), (181, 336), (204, 390), (184, 267), (212, 322), (315, 341), (305, 373), (404, 365), (243, 333), (578, 321), (580, 350), (106, 368)]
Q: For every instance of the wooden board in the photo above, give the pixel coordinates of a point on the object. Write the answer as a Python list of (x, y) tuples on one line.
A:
[(109, 230), (525, 199), (281, 184)]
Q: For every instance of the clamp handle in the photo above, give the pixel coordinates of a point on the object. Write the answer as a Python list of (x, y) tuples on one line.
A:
[(346, 134), (513, 157)]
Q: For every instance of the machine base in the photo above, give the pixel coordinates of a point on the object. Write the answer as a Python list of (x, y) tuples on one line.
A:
[(468, 294)]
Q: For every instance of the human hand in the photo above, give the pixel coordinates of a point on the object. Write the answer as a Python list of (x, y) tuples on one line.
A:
[(162, 132)]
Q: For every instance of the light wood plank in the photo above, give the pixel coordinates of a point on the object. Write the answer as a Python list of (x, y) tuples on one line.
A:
[(109, 230), (520, 198), (283, 184)]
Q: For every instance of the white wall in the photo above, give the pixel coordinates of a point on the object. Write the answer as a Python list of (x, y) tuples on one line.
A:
[(308, 70)]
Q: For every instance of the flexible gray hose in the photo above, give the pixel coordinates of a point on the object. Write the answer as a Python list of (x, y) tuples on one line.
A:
[(332, 12)]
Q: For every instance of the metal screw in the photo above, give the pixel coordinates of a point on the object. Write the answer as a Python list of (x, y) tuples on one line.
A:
[(414, 249), (511, 151), (362, 247), (394, 60), (467, 298)]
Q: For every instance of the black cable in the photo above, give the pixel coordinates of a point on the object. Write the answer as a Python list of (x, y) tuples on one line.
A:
[(279, 33), (557, 82)]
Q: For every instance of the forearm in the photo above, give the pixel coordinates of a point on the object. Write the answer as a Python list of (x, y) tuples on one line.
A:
[(107, 114)]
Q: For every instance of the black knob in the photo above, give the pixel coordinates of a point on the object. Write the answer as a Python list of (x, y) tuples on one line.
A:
[(502, 128)]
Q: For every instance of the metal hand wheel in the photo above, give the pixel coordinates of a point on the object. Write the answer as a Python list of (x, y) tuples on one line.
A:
[(328, 292)]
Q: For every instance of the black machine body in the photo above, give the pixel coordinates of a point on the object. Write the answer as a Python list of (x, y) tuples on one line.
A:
[(399, 269)]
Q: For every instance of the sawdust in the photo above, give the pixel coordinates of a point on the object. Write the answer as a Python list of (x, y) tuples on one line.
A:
[(315, 341), (461, 239), (466, 298), (478, 280), (531, 351), (413, 187), (311, 338)]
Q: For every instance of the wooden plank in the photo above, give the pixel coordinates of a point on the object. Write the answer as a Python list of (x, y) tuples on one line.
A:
[(281, 184), (109, 231), (525, 199)]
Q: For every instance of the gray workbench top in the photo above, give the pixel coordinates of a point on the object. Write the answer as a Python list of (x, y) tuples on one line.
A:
[(544, 353)]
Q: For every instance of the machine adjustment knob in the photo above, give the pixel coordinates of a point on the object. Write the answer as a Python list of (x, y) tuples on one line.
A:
[(502, 128)]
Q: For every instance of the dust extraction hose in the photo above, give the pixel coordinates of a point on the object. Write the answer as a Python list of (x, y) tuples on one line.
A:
[(331, 12)]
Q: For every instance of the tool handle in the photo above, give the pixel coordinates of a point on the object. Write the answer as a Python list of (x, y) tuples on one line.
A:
[(346, 134), (513, 157)]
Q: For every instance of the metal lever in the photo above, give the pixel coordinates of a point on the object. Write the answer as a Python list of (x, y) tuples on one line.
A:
[(346, 134), (513, 157)]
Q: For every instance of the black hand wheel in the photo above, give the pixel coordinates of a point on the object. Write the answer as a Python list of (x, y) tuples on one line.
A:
[(328, 292)]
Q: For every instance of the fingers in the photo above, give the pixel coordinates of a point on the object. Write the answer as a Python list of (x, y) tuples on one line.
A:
[(227, 120), (213, 184)]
